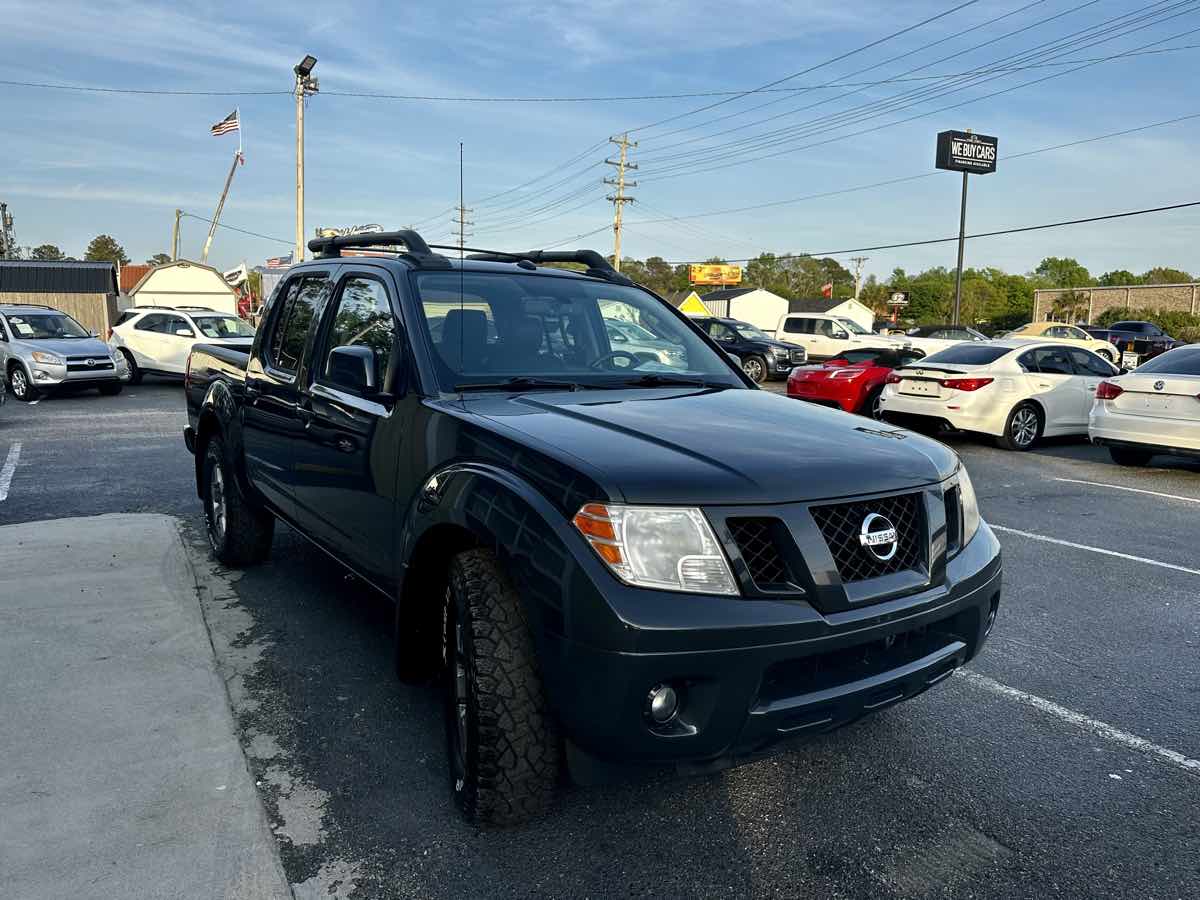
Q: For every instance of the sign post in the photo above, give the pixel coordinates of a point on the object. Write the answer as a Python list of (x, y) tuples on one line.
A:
[(962, 151)]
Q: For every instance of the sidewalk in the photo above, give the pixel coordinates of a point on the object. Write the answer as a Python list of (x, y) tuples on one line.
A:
[(121, 774)]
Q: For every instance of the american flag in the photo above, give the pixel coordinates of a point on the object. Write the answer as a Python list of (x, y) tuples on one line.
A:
[(227, 124)]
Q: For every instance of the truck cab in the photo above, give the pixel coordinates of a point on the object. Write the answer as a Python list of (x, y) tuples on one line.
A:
[(593, 552)]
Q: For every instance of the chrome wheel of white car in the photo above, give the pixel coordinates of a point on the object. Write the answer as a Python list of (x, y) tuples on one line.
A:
[(1023, 427)]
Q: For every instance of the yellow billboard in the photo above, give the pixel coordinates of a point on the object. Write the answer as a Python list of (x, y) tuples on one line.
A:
[(714, 274)]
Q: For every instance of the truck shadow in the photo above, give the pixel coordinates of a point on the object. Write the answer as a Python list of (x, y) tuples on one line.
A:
[(327, 694)]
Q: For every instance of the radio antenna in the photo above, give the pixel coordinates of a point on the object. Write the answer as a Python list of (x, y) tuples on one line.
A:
[(461, 275)]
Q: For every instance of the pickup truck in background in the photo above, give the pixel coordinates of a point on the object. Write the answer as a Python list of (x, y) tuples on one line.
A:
[(594, 554), (1136, 341)]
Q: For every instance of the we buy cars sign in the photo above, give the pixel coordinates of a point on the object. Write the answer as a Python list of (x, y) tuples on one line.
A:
[(961, 151)]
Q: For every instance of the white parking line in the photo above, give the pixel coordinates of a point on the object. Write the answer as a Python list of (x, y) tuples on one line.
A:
[(9, 469), (1121, 487), (1062, 543), (1103, 729)]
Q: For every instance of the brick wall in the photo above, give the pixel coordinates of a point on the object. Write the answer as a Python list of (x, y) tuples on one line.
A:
[(1091, 302)]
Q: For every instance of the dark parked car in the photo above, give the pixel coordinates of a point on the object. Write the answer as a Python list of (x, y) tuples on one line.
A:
[(601, 558), (762, 356), (1142, 340)]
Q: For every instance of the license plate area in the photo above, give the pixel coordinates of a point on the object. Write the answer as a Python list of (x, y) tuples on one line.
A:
[(920, 387)]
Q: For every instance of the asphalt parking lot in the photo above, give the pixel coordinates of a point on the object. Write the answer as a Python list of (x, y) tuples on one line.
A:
[(1064, 763)]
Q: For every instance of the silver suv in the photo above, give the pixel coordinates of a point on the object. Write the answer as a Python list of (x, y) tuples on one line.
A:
[(42, 348)]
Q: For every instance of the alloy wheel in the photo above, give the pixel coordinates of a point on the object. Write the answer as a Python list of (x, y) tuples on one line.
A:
[(218, 511), (20, 384), (754, 368), (1024, 426)]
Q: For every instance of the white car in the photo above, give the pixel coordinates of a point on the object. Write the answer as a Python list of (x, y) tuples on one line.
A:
[(1154, 409), (825, 336), (935, 338), (156, 340), (1016, 391)]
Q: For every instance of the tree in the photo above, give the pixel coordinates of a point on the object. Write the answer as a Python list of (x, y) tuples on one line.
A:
[(1065, 272), (47, 251), (1161, 275), (104, 248), (158, 259), (1118, 278)]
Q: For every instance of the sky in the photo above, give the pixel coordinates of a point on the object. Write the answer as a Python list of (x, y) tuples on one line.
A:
[(76, 164)]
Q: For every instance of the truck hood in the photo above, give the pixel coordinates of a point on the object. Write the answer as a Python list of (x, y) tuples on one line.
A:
[(696, 447), (93, 347)]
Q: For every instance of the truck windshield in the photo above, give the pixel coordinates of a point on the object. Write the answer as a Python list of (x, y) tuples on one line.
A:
[(486, 327), (852, 326), (44, 326), (222, 326)]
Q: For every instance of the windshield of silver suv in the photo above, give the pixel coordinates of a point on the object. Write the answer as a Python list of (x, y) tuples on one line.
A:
[(487, 328), (33, 326)]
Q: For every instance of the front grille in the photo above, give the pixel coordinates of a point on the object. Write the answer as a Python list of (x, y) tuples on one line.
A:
[(99, 365), (798, 356), (841, 524), (756, 541)]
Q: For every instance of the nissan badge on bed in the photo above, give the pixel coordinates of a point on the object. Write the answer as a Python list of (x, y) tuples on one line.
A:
[(594, 552)]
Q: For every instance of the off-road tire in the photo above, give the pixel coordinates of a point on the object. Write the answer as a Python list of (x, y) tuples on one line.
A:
[(1015, 427), (510, 765), (17, 376), (245, 538), (1128, 456), (111, 390), (135, 374)]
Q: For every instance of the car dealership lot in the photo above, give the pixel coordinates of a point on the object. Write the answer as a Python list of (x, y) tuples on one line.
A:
[(1066, 762)]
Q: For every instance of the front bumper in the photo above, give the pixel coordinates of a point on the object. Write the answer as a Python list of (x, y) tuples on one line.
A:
[(104, 370), (789, 672)]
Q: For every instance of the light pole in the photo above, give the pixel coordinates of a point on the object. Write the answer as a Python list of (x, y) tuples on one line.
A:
[(305, 85)]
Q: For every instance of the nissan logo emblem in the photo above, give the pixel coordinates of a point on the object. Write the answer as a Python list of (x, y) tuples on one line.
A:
[(878, 537), (1159, 385)]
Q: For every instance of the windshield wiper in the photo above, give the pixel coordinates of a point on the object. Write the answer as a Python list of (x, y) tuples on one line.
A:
[(653, 379), (520, 383)]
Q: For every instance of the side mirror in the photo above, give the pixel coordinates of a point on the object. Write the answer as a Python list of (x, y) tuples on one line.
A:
[(840, 336), (352, 368), (185, 332)]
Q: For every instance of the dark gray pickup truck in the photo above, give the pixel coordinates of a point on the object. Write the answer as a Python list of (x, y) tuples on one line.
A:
[(594, 552)]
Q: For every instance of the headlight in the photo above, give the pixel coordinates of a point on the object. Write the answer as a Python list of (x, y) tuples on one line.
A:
[(780, 351), (968, 505), (670, 548), (48, 359)]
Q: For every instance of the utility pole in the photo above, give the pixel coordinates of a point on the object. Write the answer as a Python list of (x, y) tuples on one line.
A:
[(175, 235), (305, 86), (462, 224), (858, 264), (8, 235), (618, 198)]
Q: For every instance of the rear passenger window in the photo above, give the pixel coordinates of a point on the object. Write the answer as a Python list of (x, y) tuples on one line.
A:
[(152, 322), (293, 322), (798, 326), (1053, 361), (1090, 364)]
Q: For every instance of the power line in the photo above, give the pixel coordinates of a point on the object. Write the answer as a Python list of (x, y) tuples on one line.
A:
[(982, 234), (874, 109), (813, 68), (682, 170), (265, 237), (905, 178)]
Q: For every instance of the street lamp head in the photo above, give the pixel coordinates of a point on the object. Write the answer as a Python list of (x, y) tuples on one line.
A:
[(305, 67)]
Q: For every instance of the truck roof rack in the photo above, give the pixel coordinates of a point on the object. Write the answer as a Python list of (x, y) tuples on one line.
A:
[(414, 245), (597, 265)]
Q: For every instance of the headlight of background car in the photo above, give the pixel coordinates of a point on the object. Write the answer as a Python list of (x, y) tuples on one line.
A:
[(670, 548), (47, 359), (967, 504)]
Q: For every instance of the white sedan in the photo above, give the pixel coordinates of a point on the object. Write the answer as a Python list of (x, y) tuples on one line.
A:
[(156, 340), (1014, 390), (935, 338), (1153, 409)]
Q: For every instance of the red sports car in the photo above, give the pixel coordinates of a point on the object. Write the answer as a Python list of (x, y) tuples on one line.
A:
[(850, 381)]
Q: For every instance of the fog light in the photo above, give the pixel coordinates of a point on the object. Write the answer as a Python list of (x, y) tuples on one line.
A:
[(662, 704), (39, 375)]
